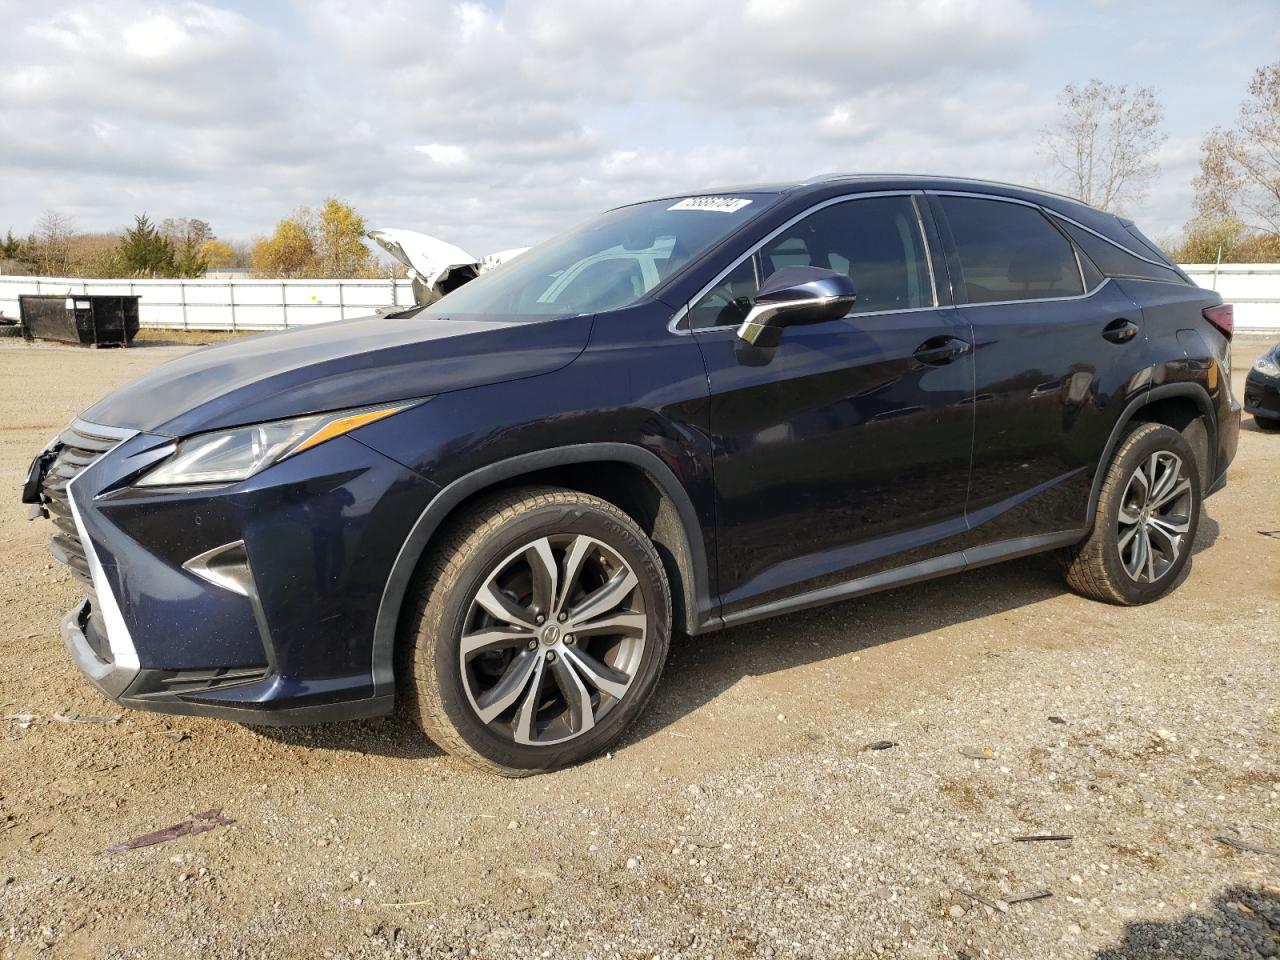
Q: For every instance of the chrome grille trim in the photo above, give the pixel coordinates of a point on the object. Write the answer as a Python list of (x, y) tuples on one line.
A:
[(80, 446)]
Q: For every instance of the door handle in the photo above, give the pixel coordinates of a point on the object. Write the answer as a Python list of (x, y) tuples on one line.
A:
[(1120, 330), (937, 351)]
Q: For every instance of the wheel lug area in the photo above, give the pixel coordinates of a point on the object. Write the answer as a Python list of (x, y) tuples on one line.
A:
[(551, 656), (563, 617), (539, 619), (568, 640)]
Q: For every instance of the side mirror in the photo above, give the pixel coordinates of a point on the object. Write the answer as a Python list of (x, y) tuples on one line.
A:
[(795, 295)]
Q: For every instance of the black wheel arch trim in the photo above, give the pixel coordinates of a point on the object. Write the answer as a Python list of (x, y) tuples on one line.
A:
[(701, 614), (1147, 397)]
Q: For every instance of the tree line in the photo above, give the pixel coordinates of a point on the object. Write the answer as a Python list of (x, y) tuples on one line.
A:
[(328, 242)]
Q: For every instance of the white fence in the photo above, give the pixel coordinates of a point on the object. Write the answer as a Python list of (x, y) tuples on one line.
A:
[(226, 304), (272, 304), (1254, 288)]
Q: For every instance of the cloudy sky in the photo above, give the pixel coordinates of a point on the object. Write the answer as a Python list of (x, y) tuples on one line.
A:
[(496, 123)]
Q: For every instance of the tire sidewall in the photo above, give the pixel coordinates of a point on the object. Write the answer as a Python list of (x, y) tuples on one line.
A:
[(529, 525), (1151, 441)]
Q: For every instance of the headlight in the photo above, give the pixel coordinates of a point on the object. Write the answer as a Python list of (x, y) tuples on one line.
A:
[(1267, 365), (227, 456)]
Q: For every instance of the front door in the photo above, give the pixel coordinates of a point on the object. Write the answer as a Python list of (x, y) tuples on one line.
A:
[(844, 450)]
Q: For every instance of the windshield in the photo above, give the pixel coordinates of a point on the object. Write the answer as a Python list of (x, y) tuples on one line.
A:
[(609, 262)]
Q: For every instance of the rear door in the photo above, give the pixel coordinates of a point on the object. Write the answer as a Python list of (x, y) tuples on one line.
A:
[(844, 449), (1056, 347)]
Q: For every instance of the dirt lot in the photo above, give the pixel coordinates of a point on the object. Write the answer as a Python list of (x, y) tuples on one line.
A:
[(744, 817)]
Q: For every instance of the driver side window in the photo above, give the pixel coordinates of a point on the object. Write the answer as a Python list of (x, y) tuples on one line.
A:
[(877, 241)]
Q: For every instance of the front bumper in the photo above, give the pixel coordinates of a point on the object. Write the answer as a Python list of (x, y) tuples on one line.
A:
[(1262, 395), (142, 689), (319, 534)]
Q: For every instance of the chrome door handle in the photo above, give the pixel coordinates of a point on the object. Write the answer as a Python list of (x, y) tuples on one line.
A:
[(1120, 330), (937, 351)]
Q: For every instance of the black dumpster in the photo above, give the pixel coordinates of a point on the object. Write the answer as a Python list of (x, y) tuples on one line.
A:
[(91, 320)]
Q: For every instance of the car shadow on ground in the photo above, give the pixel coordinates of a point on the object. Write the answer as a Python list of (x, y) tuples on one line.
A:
[(1242, 922), (701, 668), (1250, 423)]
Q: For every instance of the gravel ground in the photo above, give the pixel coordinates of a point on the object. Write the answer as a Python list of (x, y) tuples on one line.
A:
[(745, 816)]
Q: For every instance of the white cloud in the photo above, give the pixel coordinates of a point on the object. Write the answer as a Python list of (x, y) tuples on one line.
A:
[(496, 123), (445, 154)]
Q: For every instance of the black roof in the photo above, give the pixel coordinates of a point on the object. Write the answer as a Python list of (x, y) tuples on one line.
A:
[(833, 184), (888, 181)]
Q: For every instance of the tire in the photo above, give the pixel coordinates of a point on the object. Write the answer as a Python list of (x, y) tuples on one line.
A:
[(1267, 424), (1103, 566), (500, 705)]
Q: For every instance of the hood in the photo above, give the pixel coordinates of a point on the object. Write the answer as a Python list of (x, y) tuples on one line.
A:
[(331, 366)]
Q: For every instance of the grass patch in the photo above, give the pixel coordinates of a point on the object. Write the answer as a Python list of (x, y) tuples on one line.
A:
[(193, 337)]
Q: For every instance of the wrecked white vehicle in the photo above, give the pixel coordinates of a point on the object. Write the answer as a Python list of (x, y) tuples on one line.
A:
[(435, 266)]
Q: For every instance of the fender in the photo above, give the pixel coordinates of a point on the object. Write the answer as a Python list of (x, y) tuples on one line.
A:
[(700, 616), (1184, 389)]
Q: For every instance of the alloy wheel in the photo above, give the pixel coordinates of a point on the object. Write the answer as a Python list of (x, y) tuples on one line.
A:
[(1155, 515), (553, 639)]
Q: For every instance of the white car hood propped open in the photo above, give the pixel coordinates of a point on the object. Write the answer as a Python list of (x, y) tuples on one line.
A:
[(435, 266)]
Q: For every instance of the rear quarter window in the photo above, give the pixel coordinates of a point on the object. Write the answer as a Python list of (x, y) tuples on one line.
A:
[(1114, 261)]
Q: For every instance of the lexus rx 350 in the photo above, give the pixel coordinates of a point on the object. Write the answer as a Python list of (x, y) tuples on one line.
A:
[(683, 415)]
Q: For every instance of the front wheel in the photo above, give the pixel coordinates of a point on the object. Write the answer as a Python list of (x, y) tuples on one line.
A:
[(540, 630), (1145, 523)]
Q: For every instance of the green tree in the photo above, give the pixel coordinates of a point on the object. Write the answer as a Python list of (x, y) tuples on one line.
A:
[(11, 247), (145, 252), (189, 260)]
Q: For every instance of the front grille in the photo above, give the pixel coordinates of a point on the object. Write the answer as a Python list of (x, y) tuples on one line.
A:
[(77, 448)]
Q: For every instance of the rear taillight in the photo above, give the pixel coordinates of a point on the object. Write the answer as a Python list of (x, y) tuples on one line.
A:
[(1223, 317)]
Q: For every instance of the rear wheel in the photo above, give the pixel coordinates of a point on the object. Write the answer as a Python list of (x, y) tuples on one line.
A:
[(539, 632), (1146, 520)]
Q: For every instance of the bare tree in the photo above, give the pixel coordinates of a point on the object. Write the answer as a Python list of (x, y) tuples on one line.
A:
[(186, 230), (1240, 168), (1103, 145), (52, 247)]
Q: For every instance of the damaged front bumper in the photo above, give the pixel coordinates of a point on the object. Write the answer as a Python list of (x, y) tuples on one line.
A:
[(277, 628)]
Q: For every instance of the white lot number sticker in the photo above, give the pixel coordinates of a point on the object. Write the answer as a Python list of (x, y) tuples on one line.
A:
[(714, 204)]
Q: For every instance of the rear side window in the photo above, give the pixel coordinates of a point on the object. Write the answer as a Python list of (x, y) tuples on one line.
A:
[(1115, 262), (1009, 251)]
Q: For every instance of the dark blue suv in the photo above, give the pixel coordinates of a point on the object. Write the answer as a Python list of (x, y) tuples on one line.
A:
[(682, 415)]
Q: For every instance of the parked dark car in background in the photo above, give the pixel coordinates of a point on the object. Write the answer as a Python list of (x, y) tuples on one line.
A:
[(1262, 390), (683, 415)]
